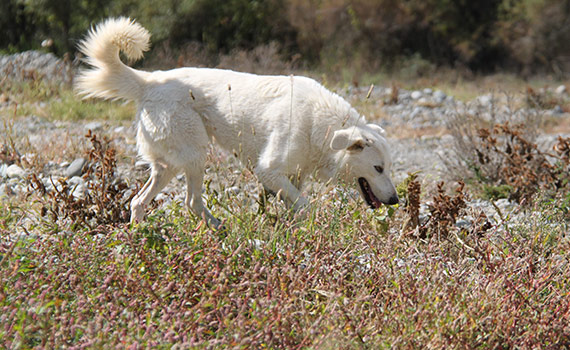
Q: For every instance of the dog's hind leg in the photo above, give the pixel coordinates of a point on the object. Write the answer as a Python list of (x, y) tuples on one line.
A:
[(159, 177), (194, 179)]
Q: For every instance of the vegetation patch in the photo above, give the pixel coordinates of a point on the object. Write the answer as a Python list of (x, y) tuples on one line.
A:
[(435, 272)]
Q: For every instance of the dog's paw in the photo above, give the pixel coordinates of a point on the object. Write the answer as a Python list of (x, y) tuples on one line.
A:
[(222, 231), (302, 213), (137, 213)]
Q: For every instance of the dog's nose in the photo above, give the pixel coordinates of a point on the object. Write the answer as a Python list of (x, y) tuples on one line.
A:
[(394, 200)]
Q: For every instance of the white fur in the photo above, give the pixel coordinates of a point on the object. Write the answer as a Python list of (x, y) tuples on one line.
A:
[(284, 127)]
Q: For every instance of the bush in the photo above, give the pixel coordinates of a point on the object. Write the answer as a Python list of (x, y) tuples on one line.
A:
[(505, 161), (536, 34), (367, 35)]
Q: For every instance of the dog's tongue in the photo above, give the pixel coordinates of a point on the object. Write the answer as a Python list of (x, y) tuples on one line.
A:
[(375, 200), (371, 198)]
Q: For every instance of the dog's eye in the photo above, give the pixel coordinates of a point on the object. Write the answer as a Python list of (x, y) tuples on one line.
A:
[(379, 169)]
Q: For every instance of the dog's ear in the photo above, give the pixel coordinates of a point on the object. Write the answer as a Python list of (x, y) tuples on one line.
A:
[(347, 139), (378, 129)]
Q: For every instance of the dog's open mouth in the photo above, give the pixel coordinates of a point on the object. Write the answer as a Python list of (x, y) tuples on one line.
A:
[(369, 196)]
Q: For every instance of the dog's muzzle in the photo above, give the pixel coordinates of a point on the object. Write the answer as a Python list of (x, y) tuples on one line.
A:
[(371, 198)]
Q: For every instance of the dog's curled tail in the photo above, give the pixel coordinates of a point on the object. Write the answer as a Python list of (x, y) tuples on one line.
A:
[(110, 78)]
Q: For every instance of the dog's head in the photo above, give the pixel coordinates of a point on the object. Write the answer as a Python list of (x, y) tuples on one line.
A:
[(367, 159)]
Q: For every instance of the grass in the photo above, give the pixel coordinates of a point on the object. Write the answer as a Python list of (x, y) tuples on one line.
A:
[(334, 280), (58, 102), (344, 277)]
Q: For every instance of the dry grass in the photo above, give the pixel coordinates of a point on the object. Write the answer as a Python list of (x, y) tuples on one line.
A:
[(340, 277)]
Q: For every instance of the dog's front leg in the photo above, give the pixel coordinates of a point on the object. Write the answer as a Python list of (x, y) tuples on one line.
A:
[(282, 186), (194, 179)]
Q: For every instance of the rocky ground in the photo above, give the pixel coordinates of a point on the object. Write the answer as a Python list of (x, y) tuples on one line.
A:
[(417, 123)]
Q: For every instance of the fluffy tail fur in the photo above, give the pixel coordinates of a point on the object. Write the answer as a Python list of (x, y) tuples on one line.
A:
[(110, 78)]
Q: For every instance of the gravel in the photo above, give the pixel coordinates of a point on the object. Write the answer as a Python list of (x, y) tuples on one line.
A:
[(34, 65)]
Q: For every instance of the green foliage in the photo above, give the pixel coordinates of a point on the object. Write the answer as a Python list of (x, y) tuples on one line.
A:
[(497, 191), (402, 187), (29, 22), (535, 34), (16, 25), (528, 35), (59, 102), (223, 25)]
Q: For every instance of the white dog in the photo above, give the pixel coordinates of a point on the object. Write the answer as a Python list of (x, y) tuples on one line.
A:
[(285, 128)]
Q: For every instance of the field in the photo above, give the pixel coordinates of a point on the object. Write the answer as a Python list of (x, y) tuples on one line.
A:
[(482, 263)]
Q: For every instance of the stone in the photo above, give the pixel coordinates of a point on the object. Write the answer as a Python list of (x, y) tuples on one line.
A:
[(49, 183), (464, 223), (439, 96), (76, 181), (557, 110), (234, 190), (93, 126), (505, 205), (14, 171), (3, 168), (423, 101), (79, 191), (75, 168), (485, 100), (428, 91), (561, 89), (5, 190), (416, 95), (417, 111)]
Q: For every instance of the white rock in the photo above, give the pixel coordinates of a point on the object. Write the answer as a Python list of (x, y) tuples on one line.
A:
[(3, 168), (161, 197), (76, 167), (423, 101), (439, 96), (416, 95), (14, 171), (465, 222), (76, 181), (428, 91), (417, 111), (79, 191), (505, 205), (93, 126), (485, 100), (232, 190), (561, 89), (557, 110)]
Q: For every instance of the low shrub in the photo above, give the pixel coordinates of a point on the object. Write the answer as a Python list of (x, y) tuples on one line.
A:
[(105, 201)]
